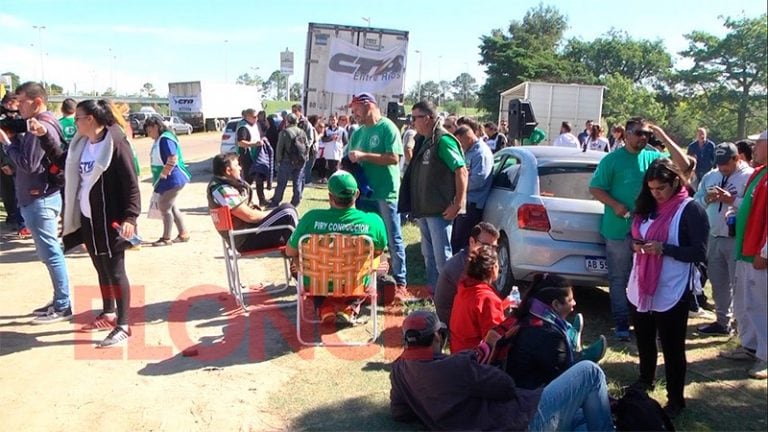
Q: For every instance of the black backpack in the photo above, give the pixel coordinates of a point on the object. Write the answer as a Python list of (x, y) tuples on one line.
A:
[(636, 411), (298, 147)]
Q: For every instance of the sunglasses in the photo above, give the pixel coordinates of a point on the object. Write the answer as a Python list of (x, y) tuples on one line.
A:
[(418, 116)]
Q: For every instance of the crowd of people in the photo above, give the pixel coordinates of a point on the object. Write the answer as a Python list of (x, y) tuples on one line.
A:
[(671, 216)]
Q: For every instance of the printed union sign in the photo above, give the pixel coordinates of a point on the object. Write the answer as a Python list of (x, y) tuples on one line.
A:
[(286, 62)]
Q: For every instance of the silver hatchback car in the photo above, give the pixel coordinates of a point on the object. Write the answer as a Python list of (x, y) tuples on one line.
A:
[(548, 220)]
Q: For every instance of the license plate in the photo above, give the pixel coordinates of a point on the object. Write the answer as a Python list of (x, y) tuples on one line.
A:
[(596, 264)]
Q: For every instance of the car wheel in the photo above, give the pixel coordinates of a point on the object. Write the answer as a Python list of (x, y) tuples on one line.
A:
[(506, 280)]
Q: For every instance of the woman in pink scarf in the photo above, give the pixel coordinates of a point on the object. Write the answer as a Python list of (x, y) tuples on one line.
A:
[(669, 232)]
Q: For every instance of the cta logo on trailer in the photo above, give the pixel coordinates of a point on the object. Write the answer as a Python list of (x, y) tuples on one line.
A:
[(368, 69), (183, 101)]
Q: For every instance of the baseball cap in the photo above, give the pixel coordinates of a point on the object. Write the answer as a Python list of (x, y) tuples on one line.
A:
[(724, 152), (291, 118), (420, 324), (363, 97), (342, 184)]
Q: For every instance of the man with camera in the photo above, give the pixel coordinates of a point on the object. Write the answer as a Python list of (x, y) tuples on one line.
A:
[(617, 183), (39, 197)]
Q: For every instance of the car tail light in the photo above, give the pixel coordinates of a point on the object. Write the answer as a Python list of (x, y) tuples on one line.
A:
[(533, 217), (225, 136)]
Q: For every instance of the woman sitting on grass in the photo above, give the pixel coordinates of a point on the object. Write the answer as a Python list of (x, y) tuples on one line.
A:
[(546, 344), (477, 307)]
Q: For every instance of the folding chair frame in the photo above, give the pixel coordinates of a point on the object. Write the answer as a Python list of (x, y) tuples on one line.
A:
[(334, 273), (222, 220)]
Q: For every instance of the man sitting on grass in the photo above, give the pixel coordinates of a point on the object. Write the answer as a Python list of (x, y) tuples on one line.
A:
[(342, 218), (456, 392), (227, 188)]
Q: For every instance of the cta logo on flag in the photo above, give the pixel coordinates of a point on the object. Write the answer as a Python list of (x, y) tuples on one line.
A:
[(354, 69)]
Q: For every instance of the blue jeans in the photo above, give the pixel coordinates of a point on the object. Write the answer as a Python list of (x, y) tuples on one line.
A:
[(284, 172), (42, 219), (576, 399), (388, 213), (435, 246), (619, 259)]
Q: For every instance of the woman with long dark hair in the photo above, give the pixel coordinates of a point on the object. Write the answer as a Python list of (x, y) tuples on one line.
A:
[(169, 176), (477, 307), (547, 344), (101, 191), (669, 232)]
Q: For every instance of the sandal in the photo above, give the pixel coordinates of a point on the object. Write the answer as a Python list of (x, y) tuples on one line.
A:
[(163, 242), (181, 238)]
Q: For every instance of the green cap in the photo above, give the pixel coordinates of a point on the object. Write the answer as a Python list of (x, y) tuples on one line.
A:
[(342, 184)]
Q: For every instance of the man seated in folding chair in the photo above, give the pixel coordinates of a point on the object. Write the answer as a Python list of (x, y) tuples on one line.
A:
[(227, 189), (342, 218)]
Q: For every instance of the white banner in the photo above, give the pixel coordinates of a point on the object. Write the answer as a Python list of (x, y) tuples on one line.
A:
[(353, 69), (185, 103)]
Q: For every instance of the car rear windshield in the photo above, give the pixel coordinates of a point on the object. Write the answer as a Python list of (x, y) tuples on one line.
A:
[(232, 126), (566, 181)]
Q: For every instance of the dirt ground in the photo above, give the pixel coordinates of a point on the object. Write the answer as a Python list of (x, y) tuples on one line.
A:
[(52, 377)]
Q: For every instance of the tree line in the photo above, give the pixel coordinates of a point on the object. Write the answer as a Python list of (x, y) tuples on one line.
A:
[(723, 90)]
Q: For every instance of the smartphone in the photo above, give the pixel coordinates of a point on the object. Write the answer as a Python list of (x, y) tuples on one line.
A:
[(638, 242), (712, 189), (29, 125)]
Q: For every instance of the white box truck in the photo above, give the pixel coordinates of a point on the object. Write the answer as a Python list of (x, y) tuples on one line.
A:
[(201, 103), (555, 103), (345, 60)]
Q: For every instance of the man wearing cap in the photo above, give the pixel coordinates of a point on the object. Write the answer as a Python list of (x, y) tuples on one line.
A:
[(721, 192), (616, 183), (749, 289), (291, 154), (456, 392), (377, 147), (341, 218), (434, 188), (703, 150), (248, 141)]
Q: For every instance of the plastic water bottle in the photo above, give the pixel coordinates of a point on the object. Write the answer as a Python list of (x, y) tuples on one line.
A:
[(514, 296), (134, 240)]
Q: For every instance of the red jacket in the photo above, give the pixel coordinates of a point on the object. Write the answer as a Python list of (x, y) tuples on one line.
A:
[(757, 224), (476, 309)]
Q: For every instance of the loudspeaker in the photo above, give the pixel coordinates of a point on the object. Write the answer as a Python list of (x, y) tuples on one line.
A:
[(395, 110), (521, 119)]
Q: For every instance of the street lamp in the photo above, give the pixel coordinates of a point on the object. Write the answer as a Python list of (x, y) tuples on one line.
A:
[(225, 60), (439, 78), (368, 20), (419, 92), (40, 43)]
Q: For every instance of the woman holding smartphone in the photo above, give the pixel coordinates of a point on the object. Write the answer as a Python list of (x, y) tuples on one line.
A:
[(670, 232)]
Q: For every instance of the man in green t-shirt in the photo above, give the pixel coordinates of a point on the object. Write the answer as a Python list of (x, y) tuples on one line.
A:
[(377, 147), (617, 183), (67, 121), (342, 218)]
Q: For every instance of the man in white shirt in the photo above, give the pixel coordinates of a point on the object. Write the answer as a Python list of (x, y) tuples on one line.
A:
[(566, 138)]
